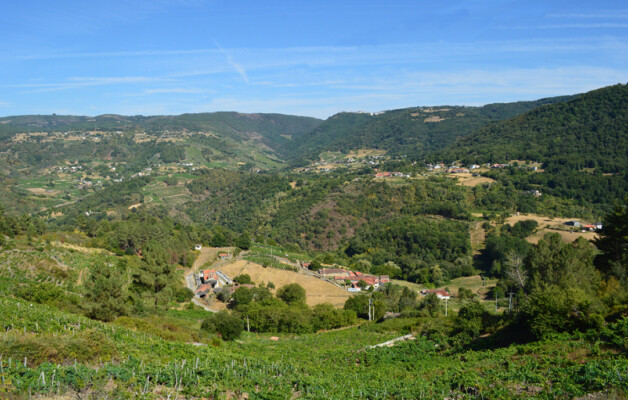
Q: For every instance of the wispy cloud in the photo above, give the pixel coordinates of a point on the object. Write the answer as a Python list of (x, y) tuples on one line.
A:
[(238, 67), (173, 90), (581, 26), (81, 82), (619, 14)]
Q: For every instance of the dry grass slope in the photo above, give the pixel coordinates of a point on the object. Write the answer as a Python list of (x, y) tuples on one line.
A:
[(317, 290)]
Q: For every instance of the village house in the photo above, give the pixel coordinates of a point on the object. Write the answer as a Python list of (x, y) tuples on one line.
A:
[(209, 276), (442, 294)]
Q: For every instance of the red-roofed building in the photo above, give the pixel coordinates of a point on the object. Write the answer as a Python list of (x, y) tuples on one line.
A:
[(332, 272), (203, 290), (440, 293), (209, 276)]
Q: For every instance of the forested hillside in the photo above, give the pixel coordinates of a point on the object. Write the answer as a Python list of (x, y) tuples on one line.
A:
[(411, 132), (582, 144)]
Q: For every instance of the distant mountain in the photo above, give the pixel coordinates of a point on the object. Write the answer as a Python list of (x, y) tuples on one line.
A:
[(271, 129), (413, 132)]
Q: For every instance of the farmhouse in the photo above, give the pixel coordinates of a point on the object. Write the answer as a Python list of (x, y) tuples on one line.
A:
[(332, 272), (224, 256), (203, 290), (209, 276), (440, 293)]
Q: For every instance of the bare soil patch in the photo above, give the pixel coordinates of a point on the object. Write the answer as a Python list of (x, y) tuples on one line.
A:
[(433, 118)]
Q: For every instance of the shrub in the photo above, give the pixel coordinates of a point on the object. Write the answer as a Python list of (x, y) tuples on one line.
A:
[(183, 294), (228, 326)]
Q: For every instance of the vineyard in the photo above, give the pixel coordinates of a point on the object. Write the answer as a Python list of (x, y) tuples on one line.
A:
[(46, 351)]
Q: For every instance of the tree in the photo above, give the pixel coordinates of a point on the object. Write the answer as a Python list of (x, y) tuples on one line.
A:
[(106, 296), (183, 294), (567, 265), (155, 274), (292, 293), (469, 320), (243, 279), (613, 242), (243, 241), (551, 308), (515, 269), (228, 326), (242, 296), (431, 304)]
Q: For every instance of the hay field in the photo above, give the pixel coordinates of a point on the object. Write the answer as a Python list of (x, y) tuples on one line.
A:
[(467, 179), (317, 290), (547, 225)]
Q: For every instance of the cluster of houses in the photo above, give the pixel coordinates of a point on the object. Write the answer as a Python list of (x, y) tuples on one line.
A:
[(342, 276), (580, 225), (391, 174), (452, 169), (211, 280)]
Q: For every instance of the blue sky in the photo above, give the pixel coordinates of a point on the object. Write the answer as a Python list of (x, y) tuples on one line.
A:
[(298, 57)]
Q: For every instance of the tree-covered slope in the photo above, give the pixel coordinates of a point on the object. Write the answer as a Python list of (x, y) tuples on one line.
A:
[(412, 132), (582, 144), (589, 131)]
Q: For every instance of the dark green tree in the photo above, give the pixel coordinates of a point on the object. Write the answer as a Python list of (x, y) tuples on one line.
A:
[(228, 326), (613, 242), (106, 297), (155, 274), (292, 293), (243, 241)]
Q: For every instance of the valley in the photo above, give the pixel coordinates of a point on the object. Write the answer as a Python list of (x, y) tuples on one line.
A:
[(240, 256)]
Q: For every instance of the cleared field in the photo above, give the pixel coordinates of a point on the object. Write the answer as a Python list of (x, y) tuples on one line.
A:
[(317, 290), (547, 225), (46, 192), (81, 249), (467, 179)]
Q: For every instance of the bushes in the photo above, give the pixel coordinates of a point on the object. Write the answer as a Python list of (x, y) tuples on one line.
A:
[(228, 326), (183, 294), (551, 309)]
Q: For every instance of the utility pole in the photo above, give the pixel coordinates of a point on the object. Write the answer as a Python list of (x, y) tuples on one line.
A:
[(248, 327), (371, 309), (510, 303), (446, 306)]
